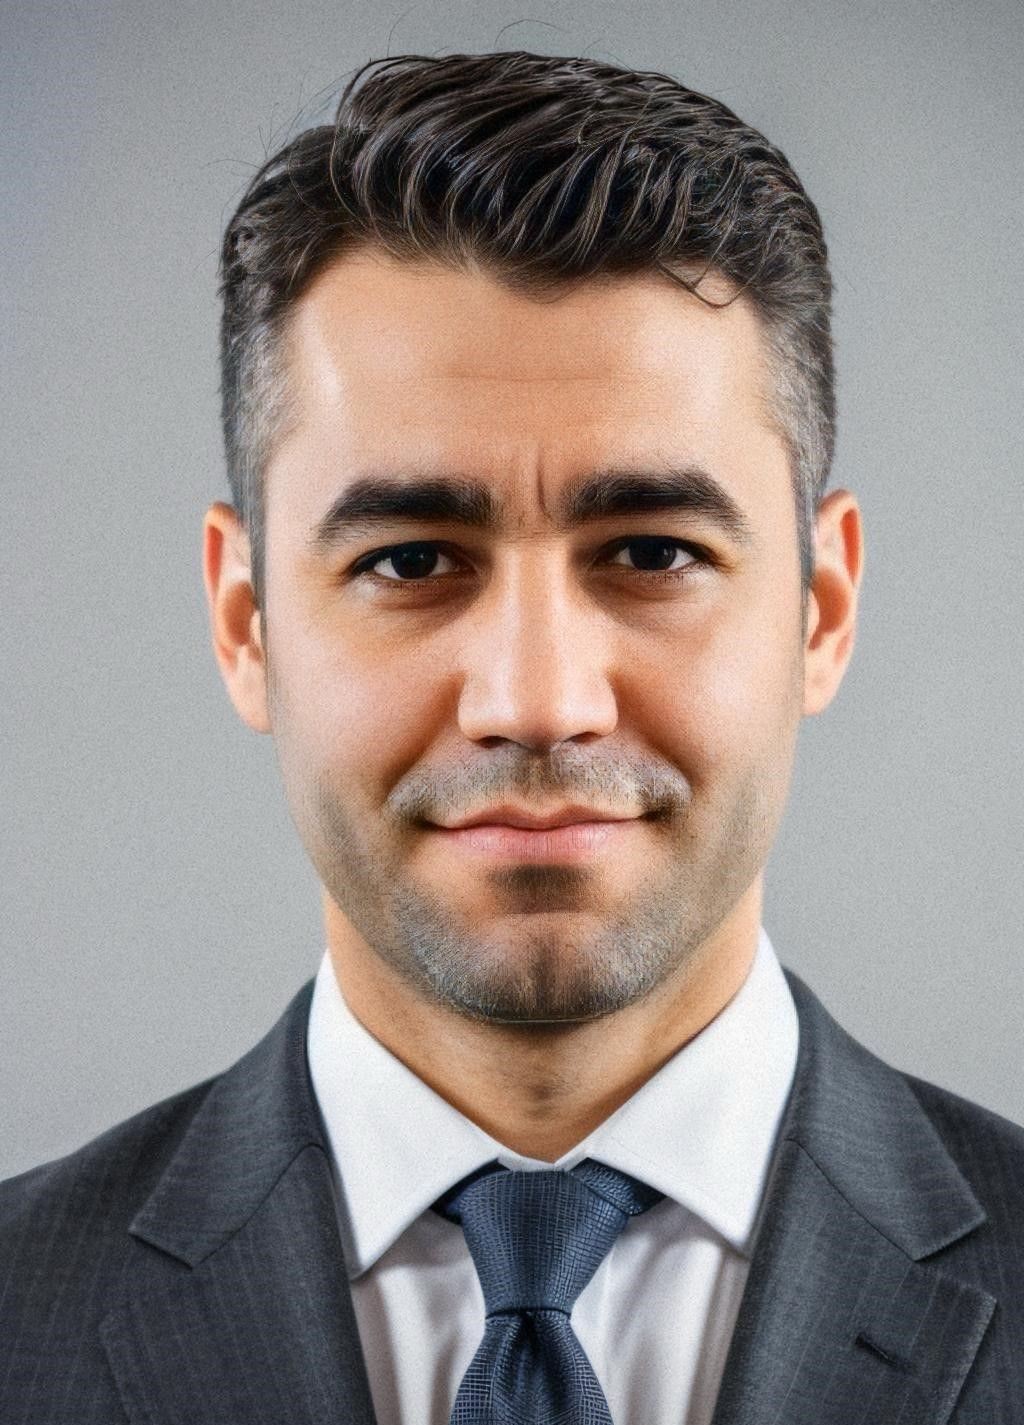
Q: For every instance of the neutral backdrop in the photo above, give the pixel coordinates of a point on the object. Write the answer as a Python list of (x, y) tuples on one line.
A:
[(158, 910)]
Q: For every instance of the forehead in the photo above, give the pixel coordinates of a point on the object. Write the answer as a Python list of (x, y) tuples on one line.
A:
[(392, 363)]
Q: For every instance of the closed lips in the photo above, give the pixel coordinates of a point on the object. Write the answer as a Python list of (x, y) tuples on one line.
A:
[(527, 821)]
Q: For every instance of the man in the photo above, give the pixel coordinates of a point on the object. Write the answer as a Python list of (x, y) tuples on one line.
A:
[(531, 573)]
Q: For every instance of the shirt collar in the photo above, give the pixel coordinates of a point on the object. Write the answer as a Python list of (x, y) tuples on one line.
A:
[(701, 1129)]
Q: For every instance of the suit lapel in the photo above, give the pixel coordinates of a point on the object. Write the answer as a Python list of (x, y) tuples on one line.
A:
[(842, 1319), (238, 1305)]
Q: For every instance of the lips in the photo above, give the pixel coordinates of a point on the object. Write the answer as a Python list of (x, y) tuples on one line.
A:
[(532, 821), (565, 843)]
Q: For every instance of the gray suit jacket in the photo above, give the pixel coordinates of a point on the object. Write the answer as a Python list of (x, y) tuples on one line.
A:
[(186, 1266)]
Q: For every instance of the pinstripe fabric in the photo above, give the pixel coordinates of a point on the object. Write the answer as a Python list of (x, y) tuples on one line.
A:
[(185, 1266), (536, 1239)]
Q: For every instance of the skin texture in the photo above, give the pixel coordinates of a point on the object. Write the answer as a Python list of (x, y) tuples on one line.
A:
[(533, 664)]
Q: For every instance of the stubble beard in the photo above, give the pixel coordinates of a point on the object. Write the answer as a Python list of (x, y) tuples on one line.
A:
[(542, 966)]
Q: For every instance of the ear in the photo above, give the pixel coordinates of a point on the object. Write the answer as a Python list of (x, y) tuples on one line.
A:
[(832, 598), (234, 615)]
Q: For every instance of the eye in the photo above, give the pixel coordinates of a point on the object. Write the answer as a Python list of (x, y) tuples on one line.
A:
[(415, 562), (656, 554), (410, 562)]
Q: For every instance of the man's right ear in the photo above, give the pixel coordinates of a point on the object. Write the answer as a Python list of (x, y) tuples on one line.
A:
[(234, 615)]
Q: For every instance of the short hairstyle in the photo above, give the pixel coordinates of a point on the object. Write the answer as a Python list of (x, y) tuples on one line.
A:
[(543, 171)]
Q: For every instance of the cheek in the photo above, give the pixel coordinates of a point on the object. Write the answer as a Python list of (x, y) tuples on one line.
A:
[(723, 702), (355, 718)]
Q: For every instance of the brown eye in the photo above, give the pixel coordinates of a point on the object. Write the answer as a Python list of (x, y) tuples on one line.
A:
[(418, 561), (410, 562), (656, 554)]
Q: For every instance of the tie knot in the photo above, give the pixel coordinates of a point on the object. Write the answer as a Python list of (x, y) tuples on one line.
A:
[(537, 1238)]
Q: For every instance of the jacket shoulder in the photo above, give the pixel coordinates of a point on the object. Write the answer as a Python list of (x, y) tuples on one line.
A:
[(67, 1219), (65, 1251), (945, 1174), (73, 1247), (986, 1147), (989, 1153)]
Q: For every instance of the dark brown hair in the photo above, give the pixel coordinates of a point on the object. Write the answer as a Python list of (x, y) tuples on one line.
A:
[(545, 171)]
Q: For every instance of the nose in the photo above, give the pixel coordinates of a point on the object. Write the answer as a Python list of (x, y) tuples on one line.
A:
[(536, 663)]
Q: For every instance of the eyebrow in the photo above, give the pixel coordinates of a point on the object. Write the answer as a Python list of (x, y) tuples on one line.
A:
[(375, 500)]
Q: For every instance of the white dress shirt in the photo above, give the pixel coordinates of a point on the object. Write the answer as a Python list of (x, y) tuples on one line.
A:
[(656, 1318)]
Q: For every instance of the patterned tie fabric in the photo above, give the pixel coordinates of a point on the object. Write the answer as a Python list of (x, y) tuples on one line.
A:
[(536, 1239)]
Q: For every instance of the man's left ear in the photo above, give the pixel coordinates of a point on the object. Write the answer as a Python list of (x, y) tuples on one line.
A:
[(832, 598)]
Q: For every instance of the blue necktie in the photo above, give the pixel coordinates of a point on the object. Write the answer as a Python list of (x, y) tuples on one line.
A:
[(536, 1239)]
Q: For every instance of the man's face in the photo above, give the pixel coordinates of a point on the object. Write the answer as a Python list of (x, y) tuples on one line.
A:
[(642, 659)]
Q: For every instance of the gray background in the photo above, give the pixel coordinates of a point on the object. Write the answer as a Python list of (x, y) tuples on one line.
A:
[(158, 909)]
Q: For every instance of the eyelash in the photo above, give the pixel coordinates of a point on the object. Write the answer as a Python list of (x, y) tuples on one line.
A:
[(699, 556)]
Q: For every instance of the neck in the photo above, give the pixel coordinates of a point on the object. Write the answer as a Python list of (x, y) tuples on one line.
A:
[(540, 1089)]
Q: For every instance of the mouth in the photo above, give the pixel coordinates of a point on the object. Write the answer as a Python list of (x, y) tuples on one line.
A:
[(578, 841)]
